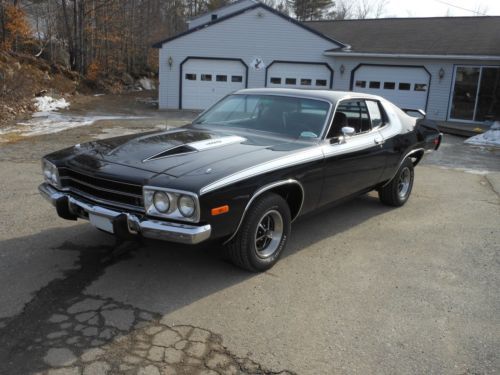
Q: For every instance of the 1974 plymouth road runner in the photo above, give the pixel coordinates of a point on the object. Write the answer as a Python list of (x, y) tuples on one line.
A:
[(243, 170)]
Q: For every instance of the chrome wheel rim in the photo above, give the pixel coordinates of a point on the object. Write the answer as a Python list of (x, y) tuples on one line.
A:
[(268, 234), (404, 183)]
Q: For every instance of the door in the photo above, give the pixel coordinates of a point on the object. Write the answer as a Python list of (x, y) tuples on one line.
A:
[(204, 82), (476, 94), (299, 75), (407, 87), (356, 163)]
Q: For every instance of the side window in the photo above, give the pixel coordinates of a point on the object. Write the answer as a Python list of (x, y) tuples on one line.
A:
[(352, 113), (375, 113)]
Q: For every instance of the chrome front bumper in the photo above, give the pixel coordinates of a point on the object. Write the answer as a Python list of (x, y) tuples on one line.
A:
[(124, 222)]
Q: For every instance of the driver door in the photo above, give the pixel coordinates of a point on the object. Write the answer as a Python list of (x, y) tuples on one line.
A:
[(353, 163)]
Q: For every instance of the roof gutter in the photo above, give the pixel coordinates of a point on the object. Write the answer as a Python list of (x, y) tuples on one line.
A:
[(411, 56)]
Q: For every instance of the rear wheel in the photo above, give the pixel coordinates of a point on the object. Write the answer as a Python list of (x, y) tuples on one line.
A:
[(263, 234), (398, 190)]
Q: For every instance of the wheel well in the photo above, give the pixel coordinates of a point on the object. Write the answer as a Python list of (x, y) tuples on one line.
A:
[(293, 195), (416, 157)]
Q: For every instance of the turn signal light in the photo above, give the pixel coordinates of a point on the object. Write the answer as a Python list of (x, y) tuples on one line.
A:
[(220, 210)]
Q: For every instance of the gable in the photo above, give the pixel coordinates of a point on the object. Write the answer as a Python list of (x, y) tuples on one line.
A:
[(260, 11)]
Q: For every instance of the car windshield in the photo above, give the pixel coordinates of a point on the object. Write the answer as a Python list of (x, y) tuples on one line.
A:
[(285, 115)]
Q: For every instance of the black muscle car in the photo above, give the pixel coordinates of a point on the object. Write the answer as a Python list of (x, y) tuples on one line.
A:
[(243, 170)]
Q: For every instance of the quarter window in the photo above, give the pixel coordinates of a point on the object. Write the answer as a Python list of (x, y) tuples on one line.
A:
[(221, 78), (361, 84), (306, 82), (374, 84), (389, 85), (291, 81), (321, 82), (375, 114), (276, 80), (236, 79), (206, 77), (404, 86), (190, 77), (420, 87)]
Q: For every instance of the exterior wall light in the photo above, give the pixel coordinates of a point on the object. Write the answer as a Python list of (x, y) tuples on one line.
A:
[(170, 61), (342, 69), (441, 73)]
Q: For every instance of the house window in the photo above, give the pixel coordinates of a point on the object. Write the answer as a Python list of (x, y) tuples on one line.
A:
[(221, 78), (291, 81), (361, 84), (206, 77), (276, 80), (191, 77), (306, 82), (389, 85), (321, 82), (404, 86), (236, 79), (374, 84), (214, 17), (420, 87)]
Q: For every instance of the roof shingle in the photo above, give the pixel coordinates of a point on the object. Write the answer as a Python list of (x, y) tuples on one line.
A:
[(427, 36)]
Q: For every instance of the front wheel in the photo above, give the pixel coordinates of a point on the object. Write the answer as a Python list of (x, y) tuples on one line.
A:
[(398, 190), (263, 234)]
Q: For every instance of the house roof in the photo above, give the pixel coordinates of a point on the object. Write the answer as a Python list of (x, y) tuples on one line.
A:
[(426, 36), (258, 5)]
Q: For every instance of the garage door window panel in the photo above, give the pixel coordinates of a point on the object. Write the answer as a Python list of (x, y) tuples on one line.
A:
[(374, 84), (221, 78), (361, 84), (206, 77), (276, 80), (389, 85), (305, 82), (321, 82), (291, 81), (420, 87), (236, 79), (403, 86), (191, 76)]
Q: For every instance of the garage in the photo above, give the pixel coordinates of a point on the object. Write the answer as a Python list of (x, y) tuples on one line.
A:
[(206, 80), (302, 75), (405, 86)]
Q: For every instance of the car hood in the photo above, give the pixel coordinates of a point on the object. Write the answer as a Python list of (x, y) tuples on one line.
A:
[(182, 151)]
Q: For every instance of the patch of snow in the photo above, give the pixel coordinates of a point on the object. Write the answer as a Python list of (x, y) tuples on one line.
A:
[(488, 138), (99, 94), (147, 84), (47, 104), (55, 123)]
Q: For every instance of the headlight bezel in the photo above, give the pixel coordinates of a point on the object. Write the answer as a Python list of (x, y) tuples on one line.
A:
[(174, 195), (50, 173)]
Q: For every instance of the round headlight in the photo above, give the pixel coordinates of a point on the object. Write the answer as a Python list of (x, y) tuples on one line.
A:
[(161, 201), (186, 205)]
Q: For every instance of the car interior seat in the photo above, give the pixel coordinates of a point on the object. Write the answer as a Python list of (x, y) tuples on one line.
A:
[(339, 121)]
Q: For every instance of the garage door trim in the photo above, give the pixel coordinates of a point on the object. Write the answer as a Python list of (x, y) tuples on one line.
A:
[(353, 73), (207, 58), (301, 63)]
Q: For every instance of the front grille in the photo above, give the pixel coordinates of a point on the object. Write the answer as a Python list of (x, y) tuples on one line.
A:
[(102, 190)]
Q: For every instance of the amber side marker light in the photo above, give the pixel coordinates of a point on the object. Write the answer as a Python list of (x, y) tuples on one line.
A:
[(220, 210)]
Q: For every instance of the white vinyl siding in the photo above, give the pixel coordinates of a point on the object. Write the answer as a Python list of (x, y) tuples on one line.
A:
[(253, 33)]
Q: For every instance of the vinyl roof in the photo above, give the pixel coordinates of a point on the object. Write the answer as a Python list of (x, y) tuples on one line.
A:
[(330, 95), (427, 36)]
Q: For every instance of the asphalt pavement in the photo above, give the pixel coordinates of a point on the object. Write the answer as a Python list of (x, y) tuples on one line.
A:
[(362, 288)]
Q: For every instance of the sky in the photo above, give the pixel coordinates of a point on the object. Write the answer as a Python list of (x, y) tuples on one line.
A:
[(437, 8)]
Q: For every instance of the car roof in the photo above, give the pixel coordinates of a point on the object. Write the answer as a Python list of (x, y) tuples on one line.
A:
[(330, 95)]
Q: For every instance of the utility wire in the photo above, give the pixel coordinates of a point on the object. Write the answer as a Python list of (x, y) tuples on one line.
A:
[(459, 7)]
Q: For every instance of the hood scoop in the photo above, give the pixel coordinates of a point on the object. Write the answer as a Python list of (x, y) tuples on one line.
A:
[(203, 145), (177, 150)]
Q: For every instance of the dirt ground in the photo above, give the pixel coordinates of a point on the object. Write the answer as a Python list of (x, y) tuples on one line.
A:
[(361, 289)]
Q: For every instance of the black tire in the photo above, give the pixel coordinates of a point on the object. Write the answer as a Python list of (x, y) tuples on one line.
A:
[(398, 190), (245, 251)]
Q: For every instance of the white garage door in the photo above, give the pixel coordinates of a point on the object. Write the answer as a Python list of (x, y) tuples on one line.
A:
[(297, 75), (404, 86), (206, 81)]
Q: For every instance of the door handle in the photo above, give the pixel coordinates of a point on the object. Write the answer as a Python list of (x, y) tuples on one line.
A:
[(379, 141)]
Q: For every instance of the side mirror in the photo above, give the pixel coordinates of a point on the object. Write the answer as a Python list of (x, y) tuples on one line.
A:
[(347, 131)]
